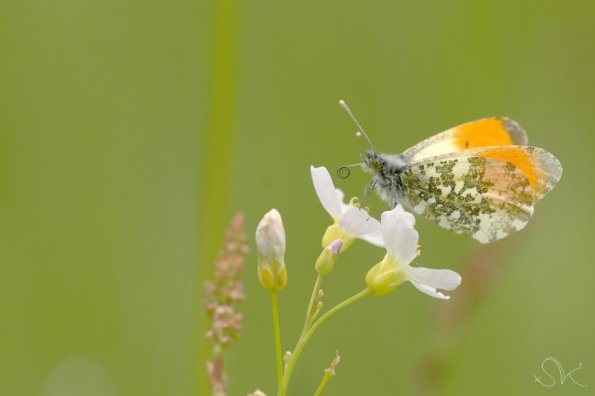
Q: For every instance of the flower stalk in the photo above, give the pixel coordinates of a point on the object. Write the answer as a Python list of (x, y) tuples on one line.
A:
[(277, 335), (303, 341), (329, 373), (314, 300)]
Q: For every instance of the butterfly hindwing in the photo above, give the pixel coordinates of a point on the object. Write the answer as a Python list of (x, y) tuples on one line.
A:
[(486, 193)]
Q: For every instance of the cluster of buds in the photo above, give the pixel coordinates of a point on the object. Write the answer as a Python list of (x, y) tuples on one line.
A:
[(225, 291), (221, 296)]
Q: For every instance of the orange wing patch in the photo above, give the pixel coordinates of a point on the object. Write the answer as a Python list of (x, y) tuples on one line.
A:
[(499, 131), (521, 159), (487, 132), (541, 168)]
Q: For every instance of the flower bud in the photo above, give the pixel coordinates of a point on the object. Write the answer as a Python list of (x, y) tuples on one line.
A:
[(270, 245), (327, 259)]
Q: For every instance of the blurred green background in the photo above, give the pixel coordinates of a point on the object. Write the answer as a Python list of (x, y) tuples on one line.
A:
[(131, 131)]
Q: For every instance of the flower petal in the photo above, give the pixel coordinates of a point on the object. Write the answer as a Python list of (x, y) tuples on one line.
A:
[(435, 278), (342, 204), (374, 238), (358, 222), (399, 235), (430, 291), (270, 236), (329, 197)]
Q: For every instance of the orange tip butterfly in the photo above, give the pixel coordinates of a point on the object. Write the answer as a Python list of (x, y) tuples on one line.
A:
[(479, 179)]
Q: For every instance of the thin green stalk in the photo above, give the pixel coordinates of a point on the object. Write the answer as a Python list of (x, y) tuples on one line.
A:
[(327, 377), (303, 341), (277, 332), (309, 312)]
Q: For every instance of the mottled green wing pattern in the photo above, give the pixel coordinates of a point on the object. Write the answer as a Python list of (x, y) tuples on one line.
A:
[(485, 198)]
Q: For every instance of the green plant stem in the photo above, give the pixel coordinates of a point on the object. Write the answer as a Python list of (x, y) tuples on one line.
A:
[(277, 332), (309, 313), (216, 142), (327, 377), (303, 341)]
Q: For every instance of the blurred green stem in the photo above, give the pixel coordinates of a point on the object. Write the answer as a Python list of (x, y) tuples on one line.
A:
[(216, 147), (303, 341), (277, 331)]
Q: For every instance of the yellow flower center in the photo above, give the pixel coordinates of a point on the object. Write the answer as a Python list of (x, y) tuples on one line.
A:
[(334, 232)]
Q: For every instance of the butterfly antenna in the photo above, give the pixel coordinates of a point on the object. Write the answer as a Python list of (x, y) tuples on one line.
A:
[(344, 172), (360, 129)]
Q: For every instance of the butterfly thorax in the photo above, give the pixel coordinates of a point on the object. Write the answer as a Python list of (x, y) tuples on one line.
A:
[(386, 170)]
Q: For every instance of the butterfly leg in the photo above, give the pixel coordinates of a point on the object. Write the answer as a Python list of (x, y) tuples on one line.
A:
[(367, 190)]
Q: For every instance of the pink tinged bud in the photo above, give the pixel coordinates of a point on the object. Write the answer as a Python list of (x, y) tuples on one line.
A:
[(335, 247), (270, 245), (327, 259)]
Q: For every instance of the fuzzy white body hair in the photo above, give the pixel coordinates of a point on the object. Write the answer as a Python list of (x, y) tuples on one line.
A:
[(386, 175)]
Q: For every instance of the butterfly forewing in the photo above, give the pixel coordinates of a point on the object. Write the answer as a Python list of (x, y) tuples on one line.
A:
[(493, 131), (541, 168)]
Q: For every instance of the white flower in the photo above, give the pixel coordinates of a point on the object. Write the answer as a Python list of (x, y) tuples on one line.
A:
[(400, 239), (349, 220), (270, 245)]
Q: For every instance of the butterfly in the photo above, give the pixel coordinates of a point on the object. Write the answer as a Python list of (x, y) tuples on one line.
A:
[(479, 179)]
